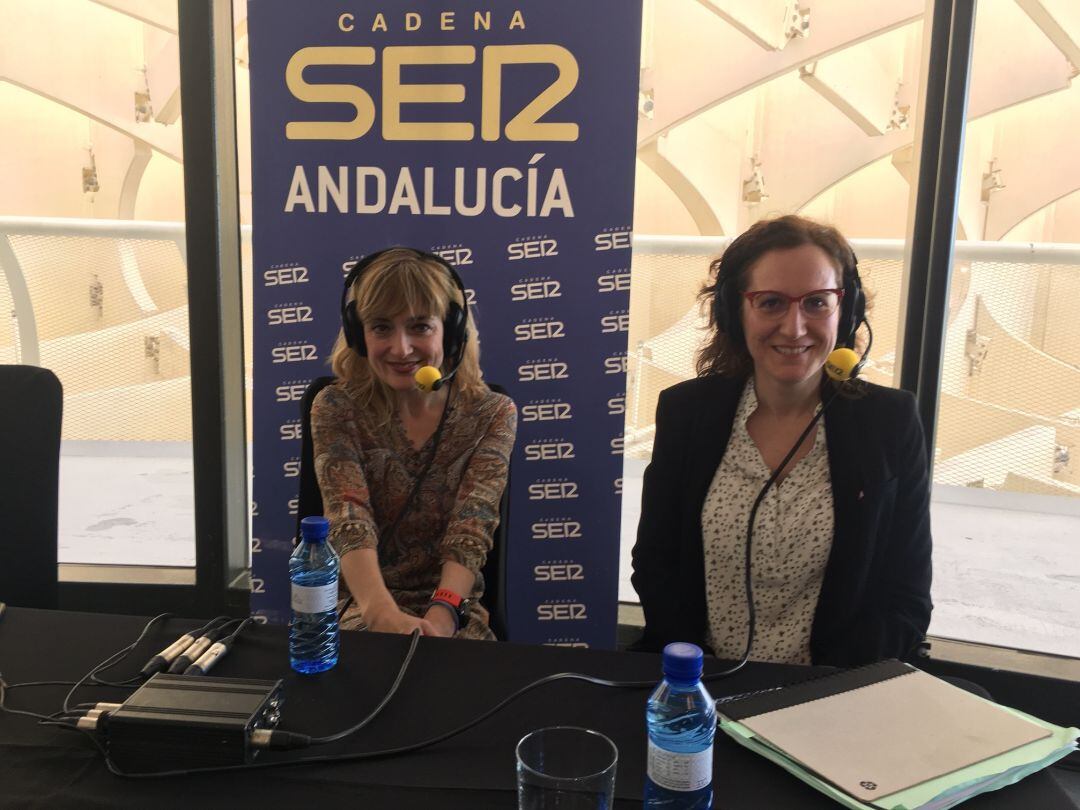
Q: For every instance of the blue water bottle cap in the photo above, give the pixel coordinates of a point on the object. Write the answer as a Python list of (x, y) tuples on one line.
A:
[(682, 661), (314, 528)]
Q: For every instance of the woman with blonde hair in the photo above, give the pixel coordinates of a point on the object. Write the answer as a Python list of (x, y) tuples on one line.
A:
[(411, 473)]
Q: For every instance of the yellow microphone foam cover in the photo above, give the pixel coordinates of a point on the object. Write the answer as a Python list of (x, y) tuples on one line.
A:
[(426, 378), (839, 364)]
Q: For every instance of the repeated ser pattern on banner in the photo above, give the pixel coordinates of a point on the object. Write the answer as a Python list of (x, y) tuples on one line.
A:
[(503, 140)]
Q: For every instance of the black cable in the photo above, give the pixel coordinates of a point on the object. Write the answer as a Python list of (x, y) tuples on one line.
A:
[(415, 640), (229, 639), (113, 659), (3, 703), (386, 752), (751, 611), (58, 683)]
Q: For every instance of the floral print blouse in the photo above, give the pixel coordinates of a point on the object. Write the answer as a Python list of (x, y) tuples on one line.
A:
[(366, 473)]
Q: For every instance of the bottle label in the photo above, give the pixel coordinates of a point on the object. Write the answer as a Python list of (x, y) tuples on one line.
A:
[(314, 598), (678, 771)]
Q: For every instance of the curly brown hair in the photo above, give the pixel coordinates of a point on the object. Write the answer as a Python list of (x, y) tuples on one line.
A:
[(726, 352)]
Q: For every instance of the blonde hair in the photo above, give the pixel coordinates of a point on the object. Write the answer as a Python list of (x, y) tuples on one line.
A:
[(403, 280)]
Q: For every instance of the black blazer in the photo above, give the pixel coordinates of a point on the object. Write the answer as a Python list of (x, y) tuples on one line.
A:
[(875, 599)]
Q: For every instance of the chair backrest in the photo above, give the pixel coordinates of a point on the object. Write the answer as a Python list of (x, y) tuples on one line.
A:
[(494, 569), (309, 498), (310, 502), (31, 409)]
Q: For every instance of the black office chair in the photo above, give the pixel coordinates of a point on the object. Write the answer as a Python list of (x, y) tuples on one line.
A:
[(310, 502), (31, 409)]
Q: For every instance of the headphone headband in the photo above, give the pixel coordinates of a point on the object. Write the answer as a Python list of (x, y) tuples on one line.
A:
[(455, 334)]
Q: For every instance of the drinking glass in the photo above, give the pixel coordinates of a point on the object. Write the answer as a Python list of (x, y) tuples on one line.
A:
[(566, 768)]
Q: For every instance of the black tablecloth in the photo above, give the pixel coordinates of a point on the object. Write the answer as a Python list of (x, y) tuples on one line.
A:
[(448, 683)]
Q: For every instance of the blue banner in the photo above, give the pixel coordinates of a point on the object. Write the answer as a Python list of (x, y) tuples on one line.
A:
[(502, 137)]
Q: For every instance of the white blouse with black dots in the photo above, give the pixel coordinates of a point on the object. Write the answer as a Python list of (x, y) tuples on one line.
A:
[(793, 533)]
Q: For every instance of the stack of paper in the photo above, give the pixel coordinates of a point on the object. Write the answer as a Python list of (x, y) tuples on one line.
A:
[(891, 737)]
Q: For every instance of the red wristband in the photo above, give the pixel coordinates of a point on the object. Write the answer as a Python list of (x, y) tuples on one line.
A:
[(448, 596)]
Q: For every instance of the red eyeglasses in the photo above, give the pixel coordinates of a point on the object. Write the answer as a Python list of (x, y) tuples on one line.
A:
[(814, 304)]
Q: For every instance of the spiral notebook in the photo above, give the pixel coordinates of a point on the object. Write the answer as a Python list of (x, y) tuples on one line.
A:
[(881, 729)]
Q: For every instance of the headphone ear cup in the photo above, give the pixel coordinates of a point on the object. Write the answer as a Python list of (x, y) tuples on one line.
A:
[(727, 314), (852, 311), (454, 335), (353, 329)]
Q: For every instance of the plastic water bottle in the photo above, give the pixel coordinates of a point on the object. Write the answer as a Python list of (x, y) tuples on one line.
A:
[(313, 569), (681, 721)]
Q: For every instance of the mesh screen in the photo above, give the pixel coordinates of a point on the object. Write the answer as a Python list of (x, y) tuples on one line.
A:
[(9, 328), (112, 324), (1009, 417)]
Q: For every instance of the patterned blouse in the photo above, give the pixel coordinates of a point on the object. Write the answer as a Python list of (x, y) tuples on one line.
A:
[(793, 533), (366, 473)]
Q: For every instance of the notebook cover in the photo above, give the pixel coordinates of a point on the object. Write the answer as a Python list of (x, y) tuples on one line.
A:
[(890, 734), (814, 688)]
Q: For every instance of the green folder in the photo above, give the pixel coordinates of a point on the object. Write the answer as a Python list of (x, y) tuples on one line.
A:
[(926, 727)]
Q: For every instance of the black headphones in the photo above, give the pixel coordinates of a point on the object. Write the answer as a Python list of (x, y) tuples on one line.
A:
[(454, 333), (727, 306)]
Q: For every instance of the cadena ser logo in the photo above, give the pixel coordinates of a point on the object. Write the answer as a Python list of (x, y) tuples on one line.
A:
[(547, 410), (457, 255), (559, 571), (616, 405), (290, 431), (535, 289), (291, 468), (542, 370), (293, 505), (549, 450), (293, 352), (615, 321), (280, 275), (556, 530), (553, 489), (618, 238), (616, 486), (559, 610), (290, 392), (289, 314), (534, 121), (616, 281), (617, 445), (532, 248), (539, 329), (615, 364)]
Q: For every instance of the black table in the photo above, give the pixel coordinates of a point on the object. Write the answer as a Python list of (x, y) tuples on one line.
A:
[(448, 683)]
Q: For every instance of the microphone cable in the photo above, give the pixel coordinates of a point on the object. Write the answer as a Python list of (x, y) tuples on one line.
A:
[(217, 650), (113, 659), (284, 740), (164, 659), (203, 642), (751, 611)]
